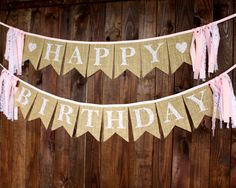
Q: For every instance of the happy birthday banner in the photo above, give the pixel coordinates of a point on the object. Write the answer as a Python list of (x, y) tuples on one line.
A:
[(115, 119), (197, 47), (157, 117), (113, 59)]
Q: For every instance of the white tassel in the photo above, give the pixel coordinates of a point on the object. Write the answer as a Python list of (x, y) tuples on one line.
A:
[(213, 49), (14, 50), (7, 95)]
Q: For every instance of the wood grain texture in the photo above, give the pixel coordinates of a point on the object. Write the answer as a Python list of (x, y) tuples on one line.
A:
[(113, 174), (78, 31), (233, 136), (201, 137), (62, 138), (33, 129), (31, 156), (220, 144), (141, 167), (49, 19), (96, 15), (162, 149), (5, 173), (18, 128), (182, 139)]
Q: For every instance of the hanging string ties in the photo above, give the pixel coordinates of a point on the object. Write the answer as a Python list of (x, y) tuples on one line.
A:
[(205, 43), (8, 83), (14, 50)]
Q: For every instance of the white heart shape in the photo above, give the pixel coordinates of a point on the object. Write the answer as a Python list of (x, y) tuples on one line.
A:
[(32, 46), (181, 47)]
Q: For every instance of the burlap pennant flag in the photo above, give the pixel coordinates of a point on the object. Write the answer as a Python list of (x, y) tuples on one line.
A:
[(76, 56), (65, 116), (172, 112), (53, 53), (127, 57), (89, 120), (144, 118), (199, 103), (101, 58), (115, 120), (24, 98), (33, 48), (179, 50), (43, 108), (154, 54)]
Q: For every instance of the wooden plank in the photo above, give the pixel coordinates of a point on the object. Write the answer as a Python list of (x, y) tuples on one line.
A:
[(115, 172), (5, 149), (62, 139), (128, 82), (233, 136), (138, 165), (49, 26), (162, 153), (24, 4), (200, 148), (233, 160), (5, 152), (33, 129), (221, 142), (79, 31), (18, 128), (141, 151), (33, 133), (94, 95), (16, 133), (181, 138)]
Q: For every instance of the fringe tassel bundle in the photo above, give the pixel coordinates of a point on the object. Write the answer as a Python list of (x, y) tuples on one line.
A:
[(224, 101), (14, 50), (205, 42), (8, 88)]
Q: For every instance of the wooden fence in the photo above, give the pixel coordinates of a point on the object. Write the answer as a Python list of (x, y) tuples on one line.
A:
[(32, 157)]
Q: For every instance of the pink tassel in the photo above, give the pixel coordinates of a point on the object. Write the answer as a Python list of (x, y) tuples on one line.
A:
[(7, 95), (198, 54), (205, 41), (14, 50), (224, 101)]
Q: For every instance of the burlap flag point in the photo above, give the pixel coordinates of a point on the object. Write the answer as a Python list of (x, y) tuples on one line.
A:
[(65, 116), (33, 48), (89, 120), (144, 119), (101, 58), (53, 54), (25, 98), (43, 108), (76, 57), (154, 54), (179, 50), (127, 57), (115, 120), (172, 113), (199, 103)]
